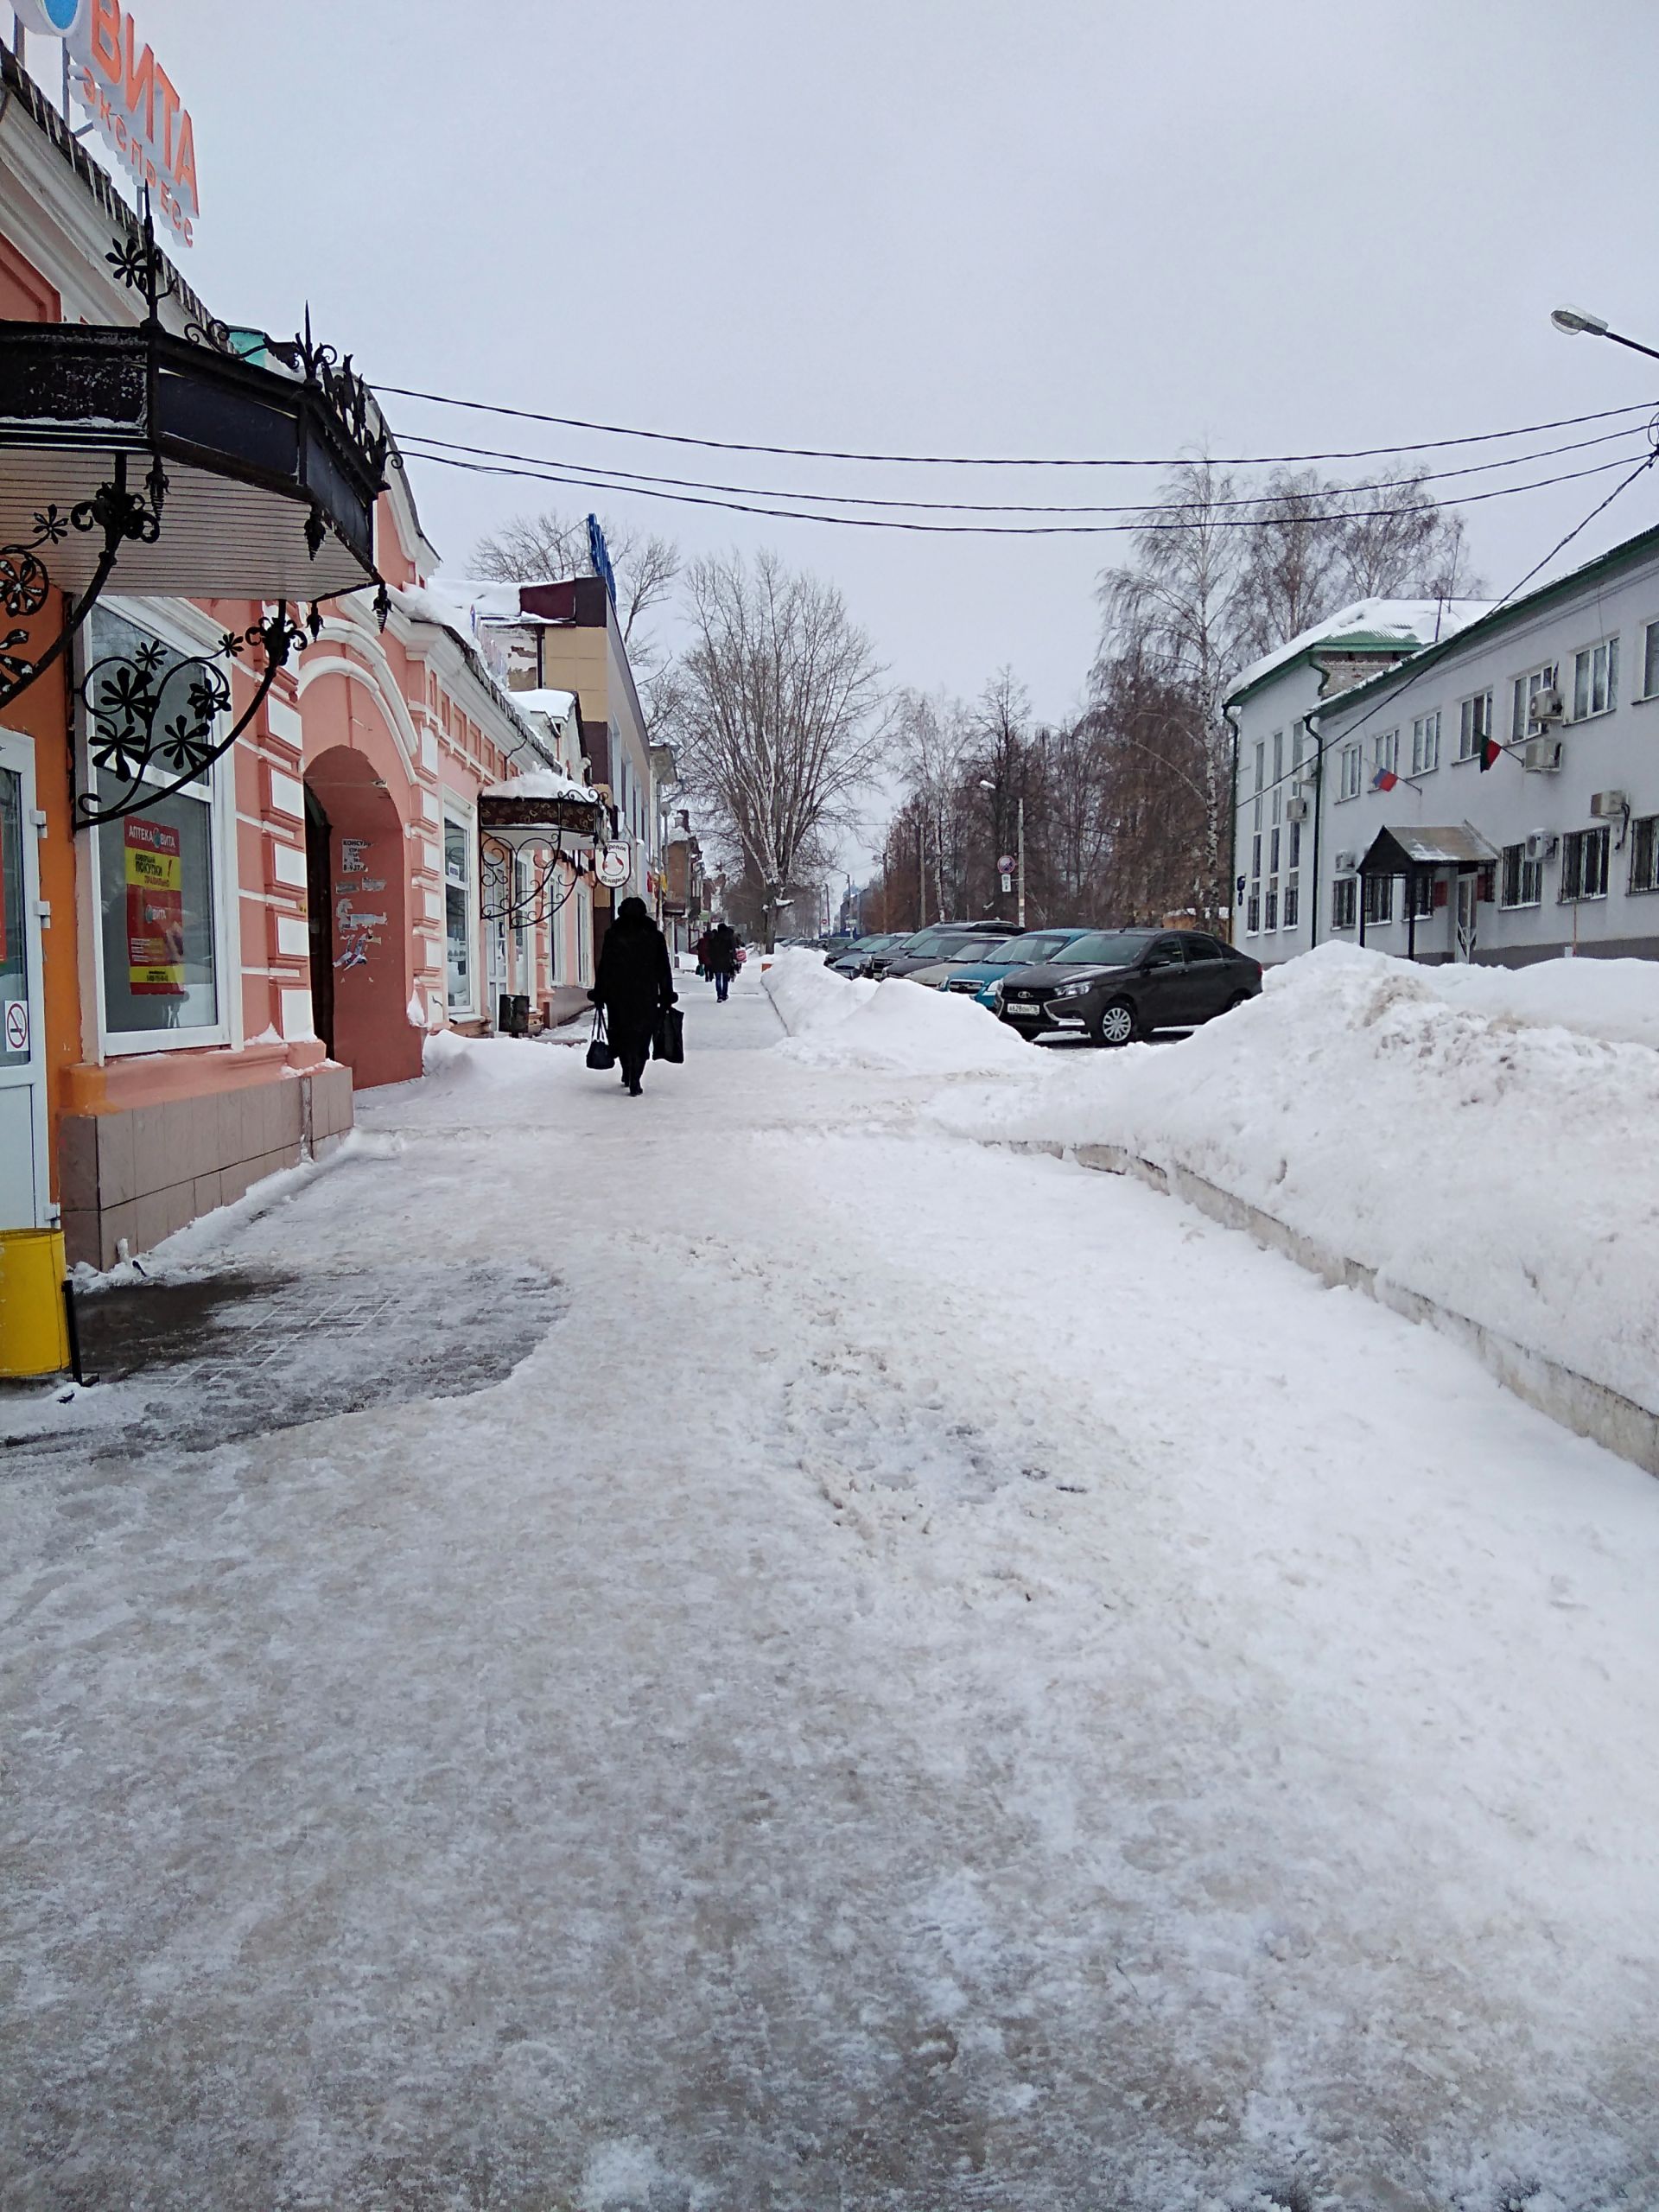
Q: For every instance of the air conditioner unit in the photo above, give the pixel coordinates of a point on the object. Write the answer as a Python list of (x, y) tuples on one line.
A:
[(1541, 846), (1295, 810), (1608, 806), (1541, 756), (1346, 863), (1545, 706)]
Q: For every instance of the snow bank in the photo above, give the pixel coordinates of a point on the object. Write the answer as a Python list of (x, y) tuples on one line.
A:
[(835, 1021), (540, 782), (1436, 1124)]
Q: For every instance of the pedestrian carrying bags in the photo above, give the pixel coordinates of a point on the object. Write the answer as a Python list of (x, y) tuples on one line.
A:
[(601, 1053), (669, 1042)]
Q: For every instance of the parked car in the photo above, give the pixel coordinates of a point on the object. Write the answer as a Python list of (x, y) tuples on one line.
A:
[(980, 977), (972, 955), (851, 958), (930, 946), (1121, 984)]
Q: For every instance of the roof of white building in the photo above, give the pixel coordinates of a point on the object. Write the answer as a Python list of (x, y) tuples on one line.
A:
[(1386, 626)]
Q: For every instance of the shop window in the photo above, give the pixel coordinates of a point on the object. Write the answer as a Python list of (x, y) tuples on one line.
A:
[(459, 957), (157, 872)]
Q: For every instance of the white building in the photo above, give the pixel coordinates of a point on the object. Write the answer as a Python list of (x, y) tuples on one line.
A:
[(1362, 810)]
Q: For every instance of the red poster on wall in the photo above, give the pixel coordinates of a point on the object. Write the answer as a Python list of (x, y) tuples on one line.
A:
[(155, 909)]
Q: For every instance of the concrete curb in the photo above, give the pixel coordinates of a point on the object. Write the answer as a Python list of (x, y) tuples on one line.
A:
[(1587, 1407)]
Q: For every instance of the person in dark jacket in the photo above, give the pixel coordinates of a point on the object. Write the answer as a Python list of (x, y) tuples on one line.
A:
[(720, 959), (635, 983)]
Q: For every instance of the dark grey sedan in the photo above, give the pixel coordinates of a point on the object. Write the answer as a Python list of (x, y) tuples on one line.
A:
[(1122, 984)]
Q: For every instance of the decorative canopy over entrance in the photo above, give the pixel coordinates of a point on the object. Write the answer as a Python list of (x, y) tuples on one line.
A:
[(199, 474)]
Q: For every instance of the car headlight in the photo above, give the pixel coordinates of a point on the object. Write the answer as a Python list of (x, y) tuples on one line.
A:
[(996, 995), (1073, 990)]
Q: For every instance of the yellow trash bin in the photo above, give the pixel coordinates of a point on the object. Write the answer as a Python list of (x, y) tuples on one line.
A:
[(33, 1327)]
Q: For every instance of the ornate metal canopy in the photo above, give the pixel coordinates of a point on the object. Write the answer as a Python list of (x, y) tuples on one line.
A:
[(195, 473)]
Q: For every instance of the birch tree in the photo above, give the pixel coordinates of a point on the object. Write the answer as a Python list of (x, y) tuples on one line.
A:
[(780, 719)]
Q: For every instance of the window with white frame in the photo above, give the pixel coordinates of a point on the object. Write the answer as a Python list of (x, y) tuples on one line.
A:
[(1425, 744), (1474, 725), (158, 870), (1523, 883), (1348, 772), (1595, 680), (1377, 898), (1385, 753), (1644, 854), (1343, 902), (1270, 909), (1253, 911), (1420, 894), (1253, 902), (1584, 864), (1291, 901), (1527, 689), (460, 962), (1650, 660)]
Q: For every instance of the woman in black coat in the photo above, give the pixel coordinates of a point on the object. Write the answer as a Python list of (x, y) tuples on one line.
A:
[(721, 958), (635, 983)]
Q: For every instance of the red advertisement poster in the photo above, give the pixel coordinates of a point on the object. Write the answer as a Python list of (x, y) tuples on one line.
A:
[(155, 909)]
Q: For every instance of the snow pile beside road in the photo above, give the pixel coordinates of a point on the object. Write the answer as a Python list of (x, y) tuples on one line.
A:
[(895, 1026), (1615, 999), (1503, 1167)]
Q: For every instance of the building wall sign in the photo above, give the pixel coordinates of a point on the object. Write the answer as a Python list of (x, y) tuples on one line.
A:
[(129, 96), (154, 873)]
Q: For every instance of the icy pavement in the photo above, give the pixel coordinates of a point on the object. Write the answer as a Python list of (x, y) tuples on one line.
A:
[(940, 1681)]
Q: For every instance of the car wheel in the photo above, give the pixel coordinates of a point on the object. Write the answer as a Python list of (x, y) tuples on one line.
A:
[(1239, 998), (1114, 1024)]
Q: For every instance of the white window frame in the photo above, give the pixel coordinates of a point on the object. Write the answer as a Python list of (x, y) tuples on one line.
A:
[(1583, 673), (1290, 901), (1345, 902), (1529, 877), (1474, 724), (1570, 891), (1425, 743), (465, 816), (1546, 676), (170, 622), (1645, 832), (1649, 664), (1348, 772), (1385, 753), (1384, 920)]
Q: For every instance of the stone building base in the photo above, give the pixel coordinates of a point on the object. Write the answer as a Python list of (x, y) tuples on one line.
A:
[(135, 1176)]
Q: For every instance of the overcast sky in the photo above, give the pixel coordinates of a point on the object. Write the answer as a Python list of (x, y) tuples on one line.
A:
[(1026, 226)]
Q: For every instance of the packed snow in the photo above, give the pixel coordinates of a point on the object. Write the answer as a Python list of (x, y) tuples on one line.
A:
[(944, 1683), (838, 1021), (1442, 1125), (540, 782)]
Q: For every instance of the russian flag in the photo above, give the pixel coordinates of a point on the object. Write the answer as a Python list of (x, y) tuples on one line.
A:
[(1384, 780)]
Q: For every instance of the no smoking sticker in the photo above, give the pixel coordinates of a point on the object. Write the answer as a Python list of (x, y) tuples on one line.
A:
[(17, 1025)]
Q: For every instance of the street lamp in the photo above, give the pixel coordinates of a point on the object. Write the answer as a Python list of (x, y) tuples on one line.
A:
[(1575, 322), (986, 785)]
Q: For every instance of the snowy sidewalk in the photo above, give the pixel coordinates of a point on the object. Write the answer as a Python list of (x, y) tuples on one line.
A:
[(909, 1696)]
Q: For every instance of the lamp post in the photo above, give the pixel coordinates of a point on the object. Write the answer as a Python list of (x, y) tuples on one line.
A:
[(1575, 321), (986, 785)]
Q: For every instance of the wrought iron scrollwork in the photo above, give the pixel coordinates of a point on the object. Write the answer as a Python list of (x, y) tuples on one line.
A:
[(156, 720), (333, 375), (498, 900), (122, 515)]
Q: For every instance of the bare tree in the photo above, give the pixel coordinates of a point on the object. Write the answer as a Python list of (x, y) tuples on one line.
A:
[(529, 548), (781, 719)]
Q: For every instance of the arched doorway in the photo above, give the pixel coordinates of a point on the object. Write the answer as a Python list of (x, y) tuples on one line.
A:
[(356, 874)]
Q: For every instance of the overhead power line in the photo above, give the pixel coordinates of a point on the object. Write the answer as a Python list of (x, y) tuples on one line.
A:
[(628, 479), (999, 460), (589, 481)]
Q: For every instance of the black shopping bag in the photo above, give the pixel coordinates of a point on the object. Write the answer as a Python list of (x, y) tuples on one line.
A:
[(601, 1053), (669, 1042)]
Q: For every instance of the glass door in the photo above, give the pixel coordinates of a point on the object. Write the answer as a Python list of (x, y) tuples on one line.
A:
[(25, 1183)]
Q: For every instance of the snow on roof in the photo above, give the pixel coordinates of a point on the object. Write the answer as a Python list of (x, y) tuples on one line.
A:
[(1462, 845), (540, 782), (555, 705), (1369, 625)]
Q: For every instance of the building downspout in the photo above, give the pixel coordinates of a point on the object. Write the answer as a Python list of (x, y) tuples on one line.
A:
[(1232, 836), (1308, 721)]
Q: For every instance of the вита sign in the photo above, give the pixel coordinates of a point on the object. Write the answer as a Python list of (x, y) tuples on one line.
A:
[(130, 98)]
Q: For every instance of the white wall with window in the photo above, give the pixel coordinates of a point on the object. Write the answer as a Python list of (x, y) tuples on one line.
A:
[(162, 935)]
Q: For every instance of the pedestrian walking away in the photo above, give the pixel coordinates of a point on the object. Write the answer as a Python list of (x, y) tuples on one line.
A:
[(721, 958), (702, 956), (635, 984)]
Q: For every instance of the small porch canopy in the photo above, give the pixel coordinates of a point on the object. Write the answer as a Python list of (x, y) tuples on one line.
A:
[(1418, 853)]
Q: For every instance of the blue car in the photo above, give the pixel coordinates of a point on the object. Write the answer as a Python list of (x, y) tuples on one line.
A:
[(1033, 950)]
